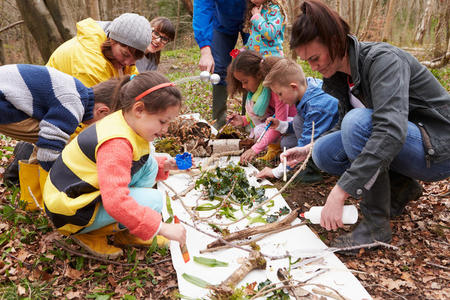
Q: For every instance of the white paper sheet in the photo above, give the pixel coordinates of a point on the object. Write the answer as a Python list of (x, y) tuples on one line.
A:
[(300, 239)]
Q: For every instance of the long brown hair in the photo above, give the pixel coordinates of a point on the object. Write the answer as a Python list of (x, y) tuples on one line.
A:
[(319, 21), (159, 100), (250, 63)]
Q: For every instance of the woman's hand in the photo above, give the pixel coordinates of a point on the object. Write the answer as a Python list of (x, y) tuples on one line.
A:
[(331, 217), (295, 155), (206, 62), (248, 156), (173, 232), (265, 173), (236, 120), (256, 10), (275, 122)]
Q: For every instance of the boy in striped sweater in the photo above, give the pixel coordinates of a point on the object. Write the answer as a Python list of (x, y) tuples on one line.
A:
[(44, 106)]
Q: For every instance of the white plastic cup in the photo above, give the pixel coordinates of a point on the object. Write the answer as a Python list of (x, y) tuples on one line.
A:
[(349, 215)]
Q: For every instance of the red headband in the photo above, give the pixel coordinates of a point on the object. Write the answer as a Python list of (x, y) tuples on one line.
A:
[(156, 87)]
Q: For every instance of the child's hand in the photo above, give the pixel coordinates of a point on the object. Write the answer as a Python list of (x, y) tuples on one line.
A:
[(170, 164), (275, 122), (265, 173), (295, 155), (236, 120), (248, 156), (173, 232), (256, 10)]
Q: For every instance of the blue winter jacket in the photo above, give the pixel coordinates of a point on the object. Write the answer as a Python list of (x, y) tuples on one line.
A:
[(318, 107), (225, 16)]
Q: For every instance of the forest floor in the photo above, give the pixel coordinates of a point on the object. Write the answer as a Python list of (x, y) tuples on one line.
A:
[(38, 263)]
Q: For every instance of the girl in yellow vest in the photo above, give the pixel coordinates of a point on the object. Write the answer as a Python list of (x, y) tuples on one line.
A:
[(101, 183)]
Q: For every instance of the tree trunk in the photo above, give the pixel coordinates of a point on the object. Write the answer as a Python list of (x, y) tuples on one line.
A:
[(352, 8), (189, 7), (41, 25), (63, 17), (408, 18), (177, 26), (372, 8), (441, 31), (107, 11), (361, 11), (93, 9), (424, 23), (338, 7), (387, 31), (2, 53), (26, 45)]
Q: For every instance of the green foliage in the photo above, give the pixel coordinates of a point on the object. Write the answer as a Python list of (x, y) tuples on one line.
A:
[(220, 182), (443, 76), (275, 295), (196, 280), (26, 290)]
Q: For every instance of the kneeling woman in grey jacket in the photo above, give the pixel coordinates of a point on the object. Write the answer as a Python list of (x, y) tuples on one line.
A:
[(393, 128)]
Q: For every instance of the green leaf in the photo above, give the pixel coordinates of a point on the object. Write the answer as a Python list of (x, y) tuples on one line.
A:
[(258, 219), (210, 262), (196, 281), (268, 186), (169, 209), (206, 207)]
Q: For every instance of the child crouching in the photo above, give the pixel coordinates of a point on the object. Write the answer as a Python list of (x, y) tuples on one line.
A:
[(101, 183)]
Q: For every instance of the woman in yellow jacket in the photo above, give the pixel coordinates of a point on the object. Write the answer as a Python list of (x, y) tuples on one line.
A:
[(102, 50)]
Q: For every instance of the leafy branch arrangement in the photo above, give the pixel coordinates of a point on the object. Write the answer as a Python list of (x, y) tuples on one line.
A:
[(229, 185)]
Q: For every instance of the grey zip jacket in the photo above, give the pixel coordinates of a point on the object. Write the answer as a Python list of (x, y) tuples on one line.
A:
[(399, 89)]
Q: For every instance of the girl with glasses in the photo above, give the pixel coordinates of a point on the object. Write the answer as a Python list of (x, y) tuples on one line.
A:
[(163, 32)]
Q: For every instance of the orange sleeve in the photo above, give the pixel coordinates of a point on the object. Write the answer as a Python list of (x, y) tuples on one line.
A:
[(114, 159)]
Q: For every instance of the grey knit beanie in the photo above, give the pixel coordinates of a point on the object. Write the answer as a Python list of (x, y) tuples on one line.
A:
[(132, 30)]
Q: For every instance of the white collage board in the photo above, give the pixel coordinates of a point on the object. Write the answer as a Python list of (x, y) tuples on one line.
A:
[(299, 241)]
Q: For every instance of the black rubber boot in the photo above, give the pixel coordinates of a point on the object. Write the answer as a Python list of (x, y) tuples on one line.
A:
[(22, 151), (375, 207), (219, 108), (403, 190), (311, 174)]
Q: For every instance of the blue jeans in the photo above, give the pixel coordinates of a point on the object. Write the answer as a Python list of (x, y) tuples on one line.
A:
[(140, 190), (334, 152)]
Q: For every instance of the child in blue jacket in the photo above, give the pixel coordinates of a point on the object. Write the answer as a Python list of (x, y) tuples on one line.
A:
[(288, 81)]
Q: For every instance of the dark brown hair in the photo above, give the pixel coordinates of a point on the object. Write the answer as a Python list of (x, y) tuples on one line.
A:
[(250, 63), (317, 20), (104, 91), (106, 48), (164, 26), (159, 100)]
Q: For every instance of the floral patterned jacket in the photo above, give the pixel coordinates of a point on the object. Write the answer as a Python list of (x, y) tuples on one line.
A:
[(267, 31)]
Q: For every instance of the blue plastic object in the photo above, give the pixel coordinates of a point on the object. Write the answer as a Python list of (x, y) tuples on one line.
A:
[(184, 161)]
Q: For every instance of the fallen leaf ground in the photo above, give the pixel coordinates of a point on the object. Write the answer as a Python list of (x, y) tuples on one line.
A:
[(37, 263)]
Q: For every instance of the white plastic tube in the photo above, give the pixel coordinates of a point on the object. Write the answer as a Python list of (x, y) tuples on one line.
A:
[(349, 215)]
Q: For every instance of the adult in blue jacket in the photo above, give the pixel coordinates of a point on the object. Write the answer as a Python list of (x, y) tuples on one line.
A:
[(217, 24)]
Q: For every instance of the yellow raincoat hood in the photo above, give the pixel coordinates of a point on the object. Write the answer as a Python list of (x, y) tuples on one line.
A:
[(82, 57)]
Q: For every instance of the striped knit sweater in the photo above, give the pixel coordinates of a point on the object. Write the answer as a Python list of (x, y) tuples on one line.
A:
[(59, 101)]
